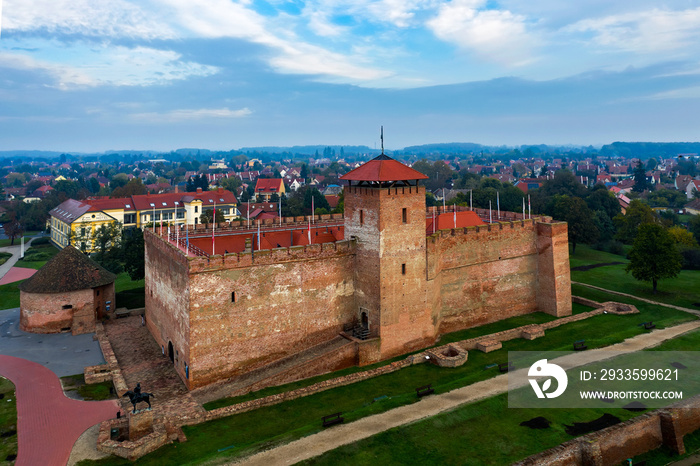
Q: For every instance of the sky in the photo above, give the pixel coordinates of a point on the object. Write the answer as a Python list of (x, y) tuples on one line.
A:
[(96, 75)]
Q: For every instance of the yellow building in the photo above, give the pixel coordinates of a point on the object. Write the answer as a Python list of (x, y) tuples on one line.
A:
[(77, 221)]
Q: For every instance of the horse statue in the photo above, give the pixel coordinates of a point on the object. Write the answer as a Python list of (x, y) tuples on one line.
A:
[(136, 396)]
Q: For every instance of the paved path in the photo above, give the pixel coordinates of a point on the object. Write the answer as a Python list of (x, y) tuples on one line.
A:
[(48, 423), (14, 250), (16, 274), (619, 293), (329, 439)]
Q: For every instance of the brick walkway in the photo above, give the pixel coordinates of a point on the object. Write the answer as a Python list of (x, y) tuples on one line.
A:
[(16, 274), (142, 361), (48, 423)]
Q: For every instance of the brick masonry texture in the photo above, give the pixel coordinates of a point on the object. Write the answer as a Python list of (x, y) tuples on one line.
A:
[(222, 316), (615, 444), (56, 312)]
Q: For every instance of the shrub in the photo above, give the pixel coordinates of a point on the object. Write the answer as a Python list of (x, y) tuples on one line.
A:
[(40, 241), (691, 258)]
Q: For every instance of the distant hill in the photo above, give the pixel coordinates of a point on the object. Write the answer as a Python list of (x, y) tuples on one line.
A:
[(645, 150), (310, 150), (446, 148), (9, 154)]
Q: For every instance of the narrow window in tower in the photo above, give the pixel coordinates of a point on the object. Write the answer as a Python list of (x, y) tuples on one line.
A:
[(404, 215), (233, 296), (362, 217), (403, 269)]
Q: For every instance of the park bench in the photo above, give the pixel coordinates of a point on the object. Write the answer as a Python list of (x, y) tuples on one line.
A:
[(580, 345), (424, 390), (505, 367), (122, 312), (332, 419), (649, 325)]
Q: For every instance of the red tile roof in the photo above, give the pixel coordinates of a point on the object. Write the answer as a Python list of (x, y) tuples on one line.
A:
[(268, 185), (383, 168), (446, 221)]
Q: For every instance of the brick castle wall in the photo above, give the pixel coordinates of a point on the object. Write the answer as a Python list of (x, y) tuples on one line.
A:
[(47, 312), (481, 274), (269, 305)]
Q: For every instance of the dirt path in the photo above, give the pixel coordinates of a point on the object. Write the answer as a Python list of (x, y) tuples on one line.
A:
[(619, 293), (332, 438)]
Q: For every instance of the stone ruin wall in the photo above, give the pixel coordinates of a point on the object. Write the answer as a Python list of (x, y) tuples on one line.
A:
[(286, 300)]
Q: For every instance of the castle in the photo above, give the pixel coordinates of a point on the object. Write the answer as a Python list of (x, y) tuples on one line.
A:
[(242, 297)]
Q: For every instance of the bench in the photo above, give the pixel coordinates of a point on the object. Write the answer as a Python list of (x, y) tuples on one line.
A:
[(580, 345), (332, 419), (424, 390), (649, 325), (122, 312), (505, 367)]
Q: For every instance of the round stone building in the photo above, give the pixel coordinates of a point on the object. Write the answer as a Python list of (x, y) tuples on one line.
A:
[(68, 294)]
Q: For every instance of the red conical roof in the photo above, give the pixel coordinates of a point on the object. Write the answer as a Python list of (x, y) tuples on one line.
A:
[(383, 168)]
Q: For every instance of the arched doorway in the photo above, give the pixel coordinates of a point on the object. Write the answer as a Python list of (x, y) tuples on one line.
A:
[(171, 353), (365, 320)]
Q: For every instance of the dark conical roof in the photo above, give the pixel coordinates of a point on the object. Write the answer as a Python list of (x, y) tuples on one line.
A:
[(69, 270)]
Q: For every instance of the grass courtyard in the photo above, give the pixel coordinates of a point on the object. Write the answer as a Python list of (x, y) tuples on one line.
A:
[(8, 422)]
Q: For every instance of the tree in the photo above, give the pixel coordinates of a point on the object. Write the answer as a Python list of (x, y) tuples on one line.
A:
[(682, 237), (640, 178), (580, 219), (134, 187), (654, 255), (13, 228), (206, 216), (694, 226), (132, 253), (638, 213)]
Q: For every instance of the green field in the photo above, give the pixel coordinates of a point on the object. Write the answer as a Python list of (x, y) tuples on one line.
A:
[(241, 434), (8, 421), (683, 290), (454, 437)]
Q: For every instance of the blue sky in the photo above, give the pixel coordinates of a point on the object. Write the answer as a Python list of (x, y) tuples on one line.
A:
[(94, 75)]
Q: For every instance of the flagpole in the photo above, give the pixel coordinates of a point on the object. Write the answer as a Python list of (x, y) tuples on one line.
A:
[(471, 206), (280, 209), (248, 216), (529, 207), (498, 205), (443, 200), (523, 208), (309, 231), (490, 217), (454, 212), (153, 217), (313, 210), (258, 235), (177, 230), (434, 220), (213, 229)]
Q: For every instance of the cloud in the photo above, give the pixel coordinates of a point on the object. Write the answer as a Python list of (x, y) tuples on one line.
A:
[(176, 116), (644, 32), (110, 65), (95, 18), (494, 35)]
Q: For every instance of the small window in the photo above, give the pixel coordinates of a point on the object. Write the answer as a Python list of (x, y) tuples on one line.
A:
[(195, 209), (403, 269), (233, 296), (404, 215), (67, 306), (362, 217)]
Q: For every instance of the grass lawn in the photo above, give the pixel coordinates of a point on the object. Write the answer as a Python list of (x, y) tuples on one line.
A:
[(130, 294), (93, 392), (8, 422), (9, 295), (441, 439), (18, 241), (260, 429), (4, 256), (36, 256), (681, 291)]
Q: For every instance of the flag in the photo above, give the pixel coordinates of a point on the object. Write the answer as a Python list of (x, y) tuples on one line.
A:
[(443, 199), (309, 231), (258, 235), (313, 211), (470, 200), (490, 217), (279, 207), (248, 216), (433, 220), (529, 207), (454, 207), (187, 241), (153, 218), (523, 208)]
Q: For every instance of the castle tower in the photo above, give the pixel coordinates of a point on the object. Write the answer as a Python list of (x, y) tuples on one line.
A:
[(385, 212)]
